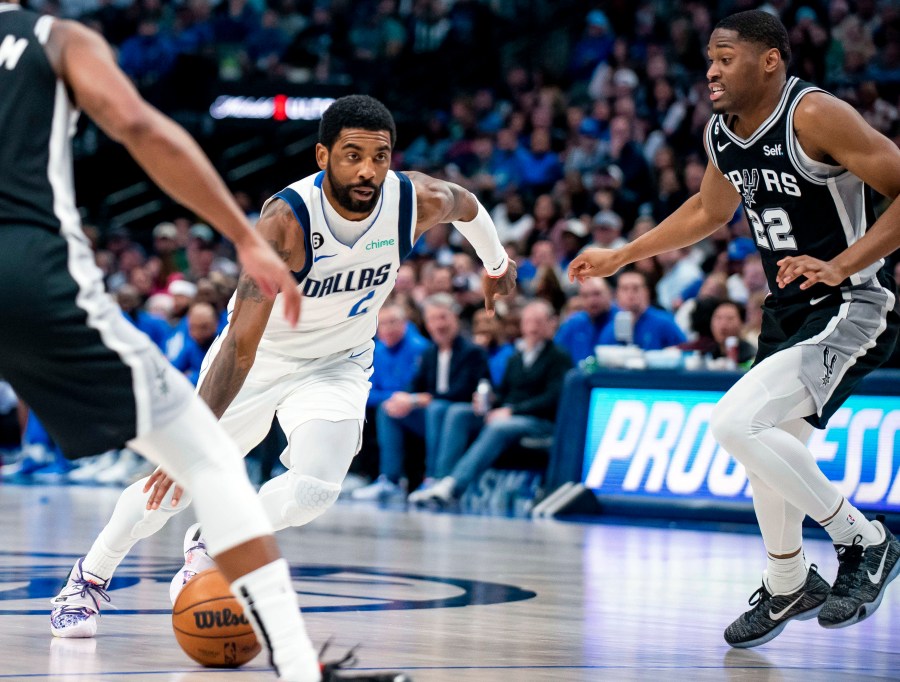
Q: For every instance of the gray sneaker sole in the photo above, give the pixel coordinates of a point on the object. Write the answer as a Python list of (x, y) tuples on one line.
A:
[(773, 633)]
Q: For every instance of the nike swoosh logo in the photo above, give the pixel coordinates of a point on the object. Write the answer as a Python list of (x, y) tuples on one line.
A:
[(316, 259), (780, 614), (498, 267), (876, 577), (720, 147), (816, 301), (360, 353)]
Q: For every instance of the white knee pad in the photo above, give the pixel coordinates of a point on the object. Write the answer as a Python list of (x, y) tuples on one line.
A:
[(296, 499)]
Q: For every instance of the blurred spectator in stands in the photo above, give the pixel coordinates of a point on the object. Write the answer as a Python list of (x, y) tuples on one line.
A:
[(809, 41), (524, 406), (626, 153), (547, 285), (131, 257), (309, 54), (406, 279), (505, 161), (512, 221), (488, 332), (650, 328), (202, 324), (398, 352), (160, 305), (727, 322), (606, 230), (539, 166), (594, 46), (580, 333), (878, 113), (754, 315), (182, 293), (200, 251), (449, 373), (713, 289), (751, 279), (130, 301), (266, 43), (427, 152), (194, 33), (172, 258), (680, 271), (149, 55), (546, 215), (573, 235), (209, 293), (543, 255), (234, 21)]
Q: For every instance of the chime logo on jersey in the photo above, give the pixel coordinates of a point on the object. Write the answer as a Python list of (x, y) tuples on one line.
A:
[(353, 280)]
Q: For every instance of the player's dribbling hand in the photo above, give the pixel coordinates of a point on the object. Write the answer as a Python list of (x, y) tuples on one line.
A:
[(160, 482), (815, 271), (270, 273), (495, 287), (594, 263)]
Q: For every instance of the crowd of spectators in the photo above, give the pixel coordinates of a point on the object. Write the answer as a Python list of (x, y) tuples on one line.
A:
[(592, 148)]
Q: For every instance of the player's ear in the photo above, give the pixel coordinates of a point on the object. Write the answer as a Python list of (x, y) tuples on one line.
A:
[(321, 155), (772, 59)]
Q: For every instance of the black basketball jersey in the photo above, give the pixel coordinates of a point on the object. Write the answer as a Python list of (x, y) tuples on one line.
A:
[(794, 204), (36, 124)]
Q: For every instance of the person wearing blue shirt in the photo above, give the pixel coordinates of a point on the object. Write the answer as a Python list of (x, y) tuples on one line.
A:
[(580, 334), (398, 349), (654, 329), (129, 300), (202, 321)]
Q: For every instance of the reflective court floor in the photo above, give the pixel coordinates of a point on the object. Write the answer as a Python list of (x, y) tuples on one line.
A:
[(441, 596)]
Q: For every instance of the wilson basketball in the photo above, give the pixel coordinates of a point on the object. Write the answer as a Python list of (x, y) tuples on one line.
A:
[(210, 625)]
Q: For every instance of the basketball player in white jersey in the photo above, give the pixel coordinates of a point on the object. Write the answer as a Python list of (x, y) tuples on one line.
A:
[(343, 232)]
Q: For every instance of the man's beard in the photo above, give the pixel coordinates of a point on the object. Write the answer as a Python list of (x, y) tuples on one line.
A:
[(345, 199)]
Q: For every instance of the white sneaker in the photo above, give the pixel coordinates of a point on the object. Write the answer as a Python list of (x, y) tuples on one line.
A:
[(86, 471), (196, 560), (381, 489), (440, 494), (77, 606), (422, 493), (118, 473)]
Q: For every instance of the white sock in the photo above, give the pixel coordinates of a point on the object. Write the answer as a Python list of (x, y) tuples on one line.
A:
[(784, 576), (849, 522), (101, 561), (270, 605)]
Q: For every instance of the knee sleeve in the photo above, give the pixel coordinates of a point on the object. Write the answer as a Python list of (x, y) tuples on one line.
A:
[(296, 499), (194, 449)]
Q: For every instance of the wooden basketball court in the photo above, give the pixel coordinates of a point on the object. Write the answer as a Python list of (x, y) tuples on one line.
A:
[(441, 596)]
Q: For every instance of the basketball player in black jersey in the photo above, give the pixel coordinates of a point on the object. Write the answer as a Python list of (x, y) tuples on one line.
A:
[(800, 162), (93, 379)]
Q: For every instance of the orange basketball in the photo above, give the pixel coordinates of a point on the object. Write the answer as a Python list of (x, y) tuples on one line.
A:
[(210, 625)]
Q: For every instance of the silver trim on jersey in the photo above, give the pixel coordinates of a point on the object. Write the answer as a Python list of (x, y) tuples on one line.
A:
[(710, 148), (102, 313), (767, 124), (5, 7)]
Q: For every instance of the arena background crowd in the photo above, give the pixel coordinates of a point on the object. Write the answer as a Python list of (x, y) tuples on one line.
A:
[(576, 123)]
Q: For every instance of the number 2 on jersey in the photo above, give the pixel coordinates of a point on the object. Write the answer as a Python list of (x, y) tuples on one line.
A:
[(357, 308), (772, 229)]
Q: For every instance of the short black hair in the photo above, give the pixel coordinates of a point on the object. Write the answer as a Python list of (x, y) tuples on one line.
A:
[(762, 28), (355, 111)]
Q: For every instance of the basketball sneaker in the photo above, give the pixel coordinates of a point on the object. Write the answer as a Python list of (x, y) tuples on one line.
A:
[(196, 560), (336, 671), (863, 574), (77, 606), (771, 612)]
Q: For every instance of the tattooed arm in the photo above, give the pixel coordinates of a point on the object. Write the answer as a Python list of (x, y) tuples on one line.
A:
[(251, 312)]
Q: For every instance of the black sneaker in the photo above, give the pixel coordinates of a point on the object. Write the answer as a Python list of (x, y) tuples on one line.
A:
[(863, 573), (336, 671), (770, 613)]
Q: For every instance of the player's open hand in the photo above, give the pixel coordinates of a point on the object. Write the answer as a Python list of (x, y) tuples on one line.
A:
[(495, 287), (813, 269), (160, 482), (270, 273), (594, 263)]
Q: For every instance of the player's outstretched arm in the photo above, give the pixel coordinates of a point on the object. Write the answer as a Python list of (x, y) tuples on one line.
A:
[(252, 308), (163, 149), (439, 201), (696, 218), (828, 128)]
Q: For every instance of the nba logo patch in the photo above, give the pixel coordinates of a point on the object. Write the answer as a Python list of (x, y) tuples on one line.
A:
[(850, 519)]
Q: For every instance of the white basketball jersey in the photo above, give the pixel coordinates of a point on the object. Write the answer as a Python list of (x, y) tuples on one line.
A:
[(343, 285)]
